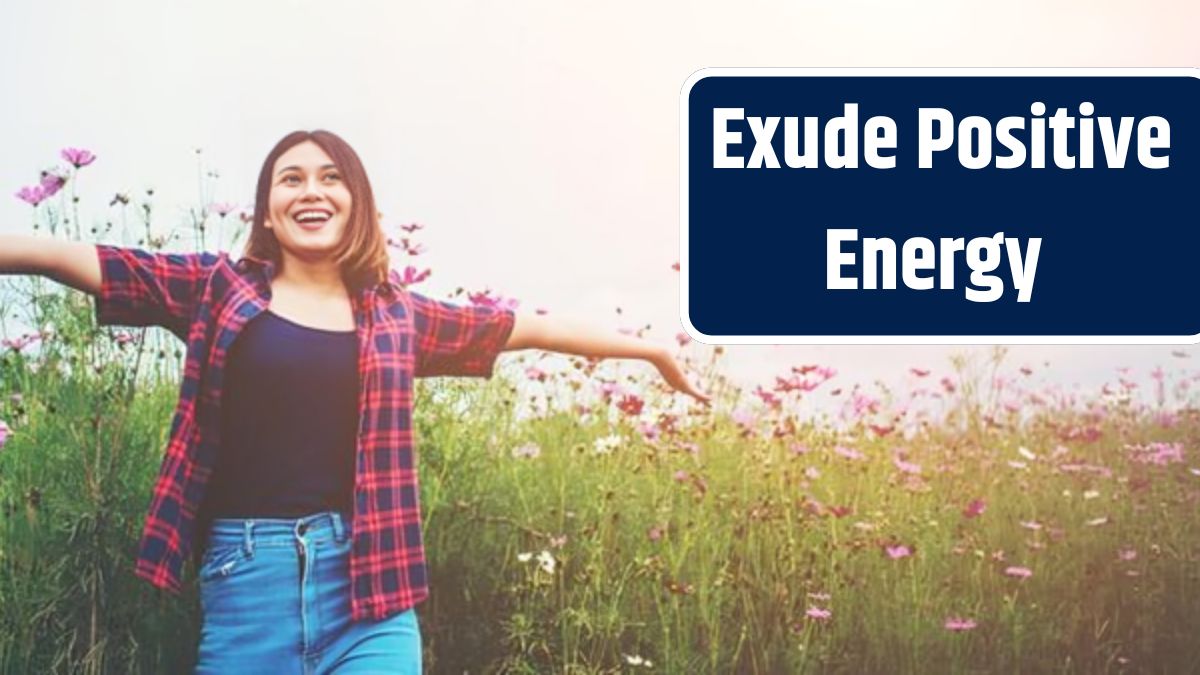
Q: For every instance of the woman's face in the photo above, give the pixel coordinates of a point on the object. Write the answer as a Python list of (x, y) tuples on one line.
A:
[(309, 203)]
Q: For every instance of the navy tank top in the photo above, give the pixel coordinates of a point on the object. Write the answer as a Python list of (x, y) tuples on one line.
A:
[(289, 420)]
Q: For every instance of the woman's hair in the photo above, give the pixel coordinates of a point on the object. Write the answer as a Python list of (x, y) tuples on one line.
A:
[(362, 254)]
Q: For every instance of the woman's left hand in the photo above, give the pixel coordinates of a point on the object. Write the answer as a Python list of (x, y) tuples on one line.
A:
[(674, 375)]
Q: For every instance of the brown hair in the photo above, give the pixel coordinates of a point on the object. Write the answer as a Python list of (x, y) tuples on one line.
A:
[(362, 254)]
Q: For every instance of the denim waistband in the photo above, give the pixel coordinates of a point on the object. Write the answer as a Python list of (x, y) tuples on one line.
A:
[(255, 532)]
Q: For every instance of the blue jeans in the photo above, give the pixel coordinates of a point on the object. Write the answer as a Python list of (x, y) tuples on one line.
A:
[(275, 598)]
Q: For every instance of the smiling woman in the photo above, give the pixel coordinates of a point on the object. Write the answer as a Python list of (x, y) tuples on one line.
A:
[(292, 441)]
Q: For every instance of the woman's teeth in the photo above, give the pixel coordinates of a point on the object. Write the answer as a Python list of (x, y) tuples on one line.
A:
[(311, 220)]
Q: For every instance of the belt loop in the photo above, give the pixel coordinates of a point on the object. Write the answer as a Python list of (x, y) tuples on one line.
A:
[(248, 538), (339, 528)]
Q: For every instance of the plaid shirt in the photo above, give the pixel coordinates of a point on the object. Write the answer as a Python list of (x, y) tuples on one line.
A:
[(206, 300)]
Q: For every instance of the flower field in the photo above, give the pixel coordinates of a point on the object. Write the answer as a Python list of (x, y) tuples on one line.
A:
[(580, 519)]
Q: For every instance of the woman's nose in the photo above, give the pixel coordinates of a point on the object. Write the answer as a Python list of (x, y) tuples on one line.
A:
[(312, 188)]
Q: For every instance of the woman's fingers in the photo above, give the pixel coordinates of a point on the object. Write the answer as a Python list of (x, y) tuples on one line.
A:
[(675, 377)]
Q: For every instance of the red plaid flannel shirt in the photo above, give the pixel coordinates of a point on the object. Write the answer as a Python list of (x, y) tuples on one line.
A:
[(206, 299)]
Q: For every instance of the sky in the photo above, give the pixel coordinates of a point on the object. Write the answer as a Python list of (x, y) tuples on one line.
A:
[(538, 142)]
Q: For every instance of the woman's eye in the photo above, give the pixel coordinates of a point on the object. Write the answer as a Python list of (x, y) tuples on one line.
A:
[(333, 176), (289, 179)]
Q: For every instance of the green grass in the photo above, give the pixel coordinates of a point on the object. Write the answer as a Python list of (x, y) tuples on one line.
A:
[(708, 572)]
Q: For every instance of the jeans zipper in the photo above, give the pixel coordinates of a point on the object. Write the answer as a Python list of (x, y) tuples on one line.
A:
[(301, 552)]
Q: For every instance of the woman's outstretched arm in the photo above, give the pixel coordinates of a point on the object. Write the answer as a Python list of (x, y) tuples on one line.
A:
[(568, 337), (73, 263)]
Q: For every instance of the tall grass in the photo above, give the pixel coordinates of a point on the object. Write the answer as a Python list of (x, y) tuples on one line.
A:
[(582, 521)]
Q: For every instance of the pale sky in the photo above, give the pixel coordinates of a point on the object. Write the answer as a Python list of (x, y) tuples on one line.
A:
[(538, 141)]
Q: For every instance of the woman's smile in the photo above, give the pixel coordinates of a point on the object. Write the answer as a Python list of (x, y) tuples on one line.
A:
[(312, 218)]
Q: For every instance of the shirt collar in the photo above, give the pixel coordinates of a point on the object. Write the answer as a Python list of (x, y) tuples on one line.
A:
[(389, 287)]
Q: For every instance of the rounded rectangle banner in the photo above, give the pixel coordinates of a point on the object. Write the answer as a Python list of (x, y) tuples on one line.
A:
[(940, 206)]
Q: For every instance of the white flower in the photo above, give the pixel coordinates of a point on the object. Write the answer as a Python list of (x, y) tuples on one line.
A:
[(1096, 522), (1024, 452), (1017, 465), (529, 450), (1091, 494), (607, 444), (524, 557), (634, 660), (547, 562)]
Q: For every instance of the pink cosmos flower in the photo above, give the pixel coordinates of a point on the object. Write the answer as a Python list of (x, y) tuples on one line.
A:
[(1158, 454), (1127, 554), (681, 476), (768, 398), (1018, 572), (974, 509), (32, 194), (4, 432), (848, 453), (861, 405), (411, 248), (881, 431), (794, 384), (957, 624), (897, 552), (630, 404), (655, 533), (649, 430), (222, 209), (17, 344), (683, 339), (78, 156), (744, 418), (800, 449), (610, 389), (485, 298), (412, 276), (818, 614), (905, 466), (52, 182)]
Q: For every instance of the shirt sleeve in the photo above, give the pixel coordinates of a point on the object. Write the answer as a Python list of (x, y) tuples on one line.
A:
[(456, 339), (139, 288)]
